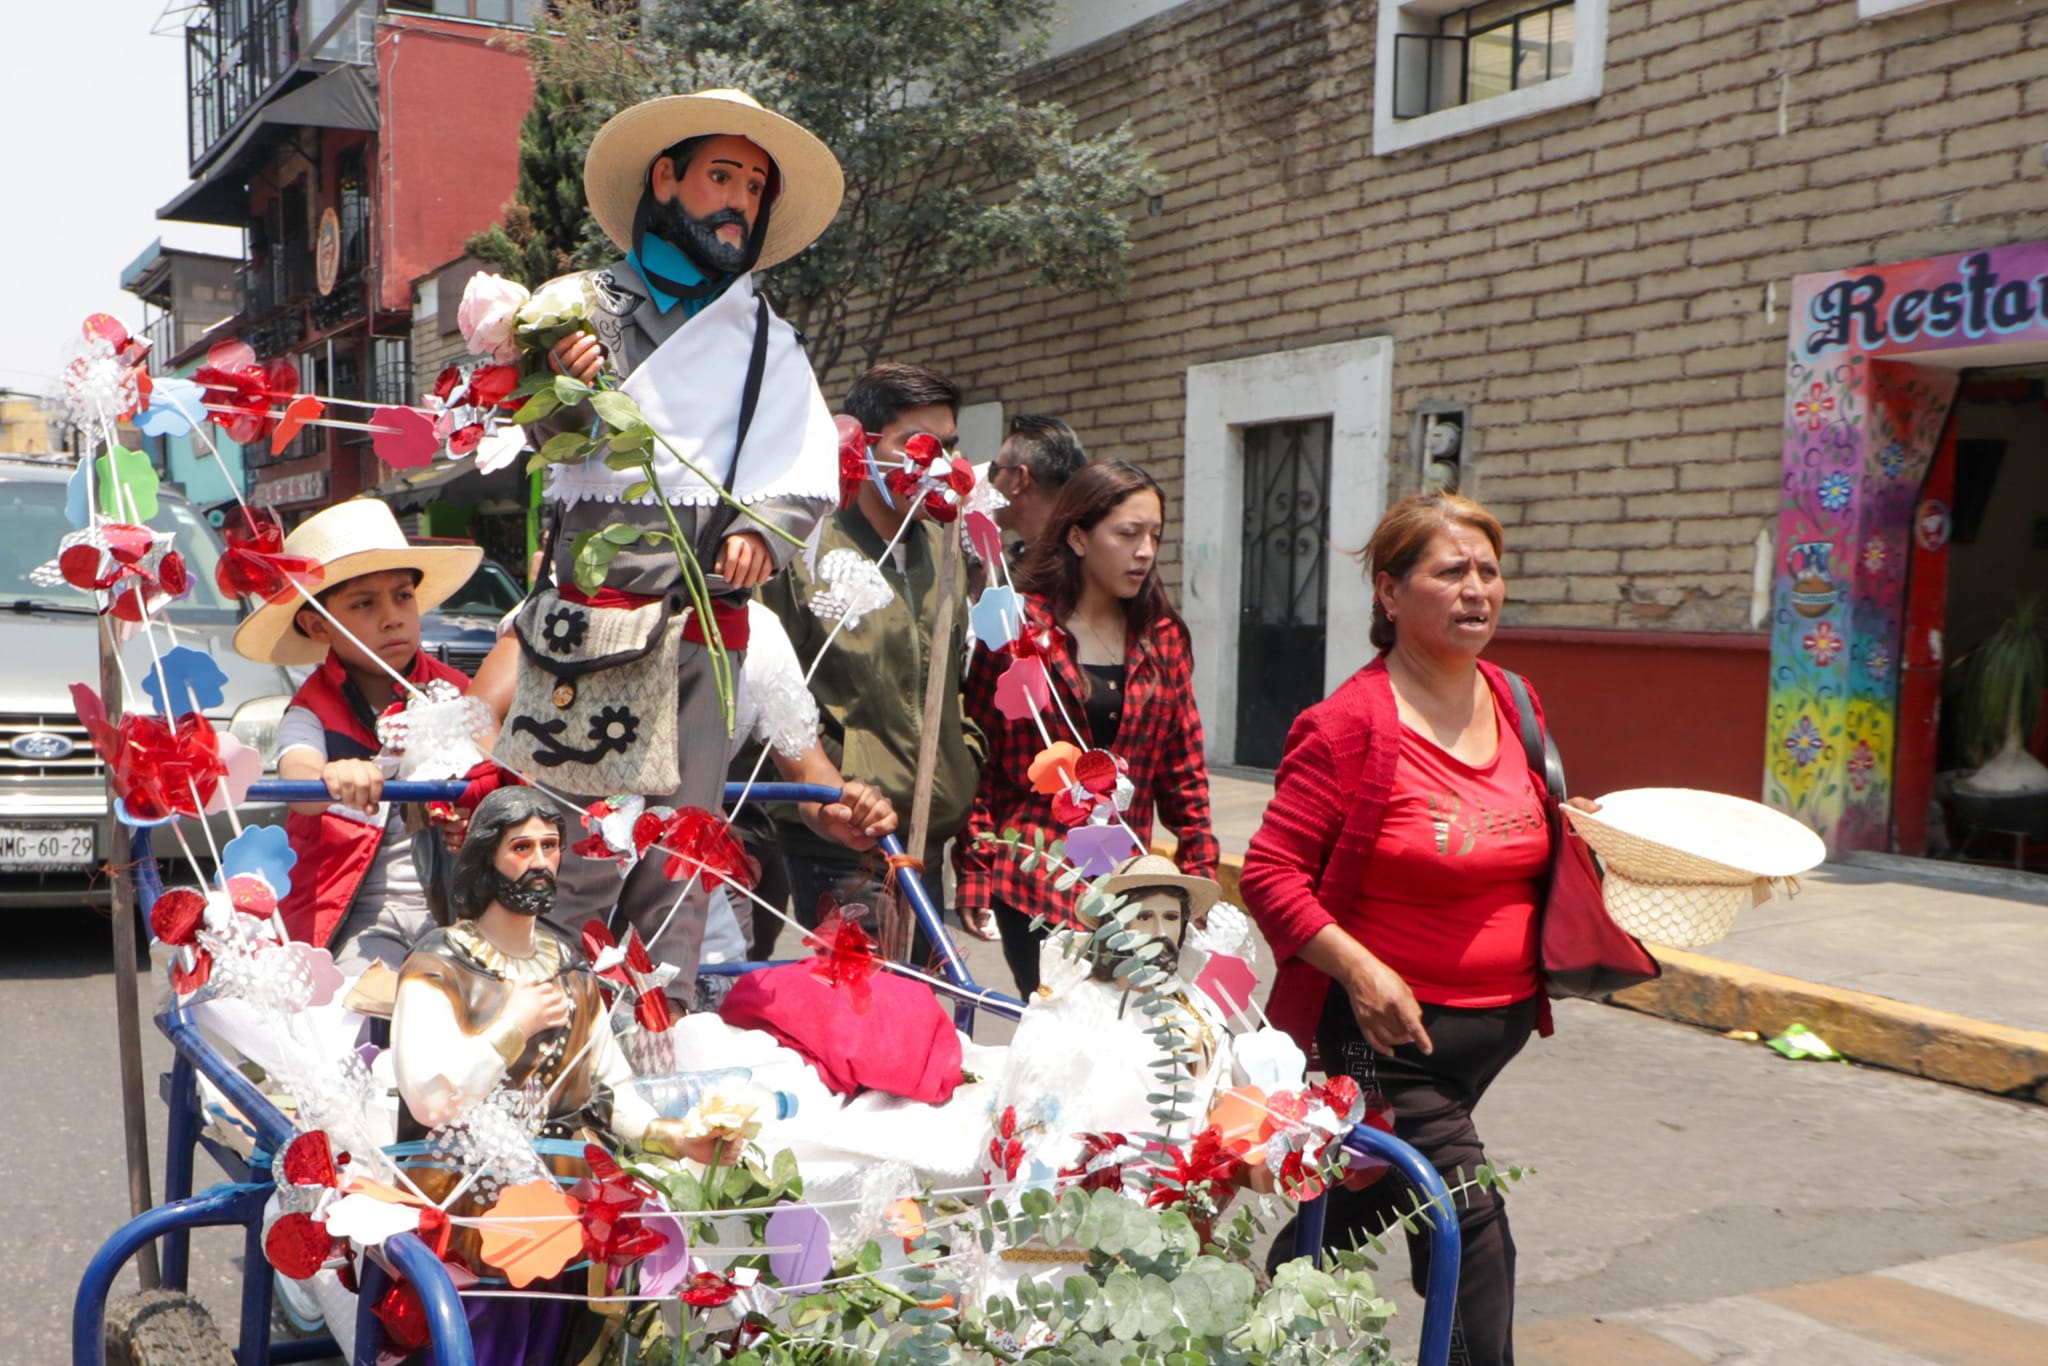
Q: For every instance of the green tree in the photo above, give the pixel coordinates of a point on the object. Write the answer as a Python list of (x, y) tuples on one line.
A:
[(950, 170)]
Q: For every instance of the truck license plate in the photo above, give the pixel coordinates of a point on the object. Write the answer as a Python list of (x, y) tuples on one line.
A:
[(45, 848)]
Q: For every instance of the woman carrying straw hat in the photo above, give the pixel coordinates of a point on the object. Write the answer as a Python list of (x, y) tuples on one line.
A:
[(699, 191), (355, 887), (1399, 863)]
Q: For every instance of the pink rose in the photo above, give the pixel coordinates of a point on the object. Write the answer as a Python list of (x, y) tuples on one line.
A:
[(488, 315)]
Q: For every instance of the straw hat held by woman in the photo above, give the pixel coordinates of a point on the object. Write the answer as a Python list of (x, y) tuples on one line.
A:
[(1396, 876)]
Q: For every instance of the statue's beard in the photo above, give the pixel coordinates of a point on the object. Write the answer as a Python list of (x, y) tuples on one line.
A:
[(1167, 960), (532, 894), (698, 237)]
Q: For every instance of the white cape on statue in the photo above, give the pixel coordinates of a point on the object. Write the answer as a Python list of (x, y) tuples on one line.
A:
[(690, 389)]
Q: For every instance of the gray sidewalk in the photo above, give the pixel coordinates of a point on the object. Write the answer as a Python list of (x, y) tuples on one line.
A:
[(1910, 964)]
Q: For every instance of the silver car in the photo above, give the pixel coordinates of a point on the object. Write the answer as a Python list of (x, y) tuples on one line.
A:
[(55, 832)]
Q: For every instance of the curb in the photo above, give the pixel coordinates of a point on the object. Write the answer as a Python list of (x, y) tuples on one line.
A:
[(1873, 1030)]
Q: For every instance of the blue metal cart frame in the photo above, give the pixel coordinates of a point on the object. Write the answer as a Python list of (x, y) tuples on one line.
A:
[(239, 1201)]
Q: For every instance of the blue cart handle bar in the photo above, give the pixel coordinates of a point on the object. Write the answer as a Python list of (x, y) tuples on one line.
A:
[(959, 981)]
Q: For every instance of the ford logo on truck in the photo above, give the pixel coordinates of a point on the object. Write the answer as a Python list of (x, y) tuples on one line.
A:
[(41, 744)]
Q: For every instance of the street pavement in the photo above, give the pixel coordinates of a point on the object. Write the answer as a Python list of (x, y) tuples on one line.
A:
[(1690, 1194)]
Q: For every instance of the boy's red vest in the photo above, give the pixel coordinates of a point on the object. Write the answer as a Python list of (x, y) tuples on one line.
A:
[(335, 851)]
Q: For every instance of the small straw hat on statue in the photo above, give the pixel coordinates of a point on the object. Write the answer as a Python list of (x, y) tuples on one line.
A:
[(349, 540), (1682, 864), (615, 171), (1143, 871)]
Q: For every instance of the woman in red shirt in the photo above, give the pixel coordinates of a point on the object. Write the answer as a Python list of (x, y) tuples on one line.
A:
[(1123, 674), (1400, 862)]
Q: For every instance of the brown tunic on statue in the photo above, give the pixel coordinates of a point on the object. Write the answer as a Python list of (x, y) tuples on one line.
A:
[(476, 979)]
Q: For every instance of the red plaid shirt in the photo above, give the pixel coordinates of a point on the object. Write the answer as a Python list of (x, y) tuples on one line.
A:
[(1159, 736)]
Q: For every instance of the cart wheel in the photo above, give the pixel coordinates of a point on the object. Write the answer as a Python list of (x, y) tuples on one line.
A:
[(163, 1328)]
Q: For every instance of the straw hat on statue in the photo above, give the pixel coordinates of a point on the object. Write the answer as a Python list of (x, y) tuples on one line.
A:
[(1682, 864)]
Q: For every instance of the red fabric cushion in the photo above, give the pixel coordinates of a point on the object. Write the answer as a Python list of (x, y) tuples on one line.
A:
[(904, 1045)]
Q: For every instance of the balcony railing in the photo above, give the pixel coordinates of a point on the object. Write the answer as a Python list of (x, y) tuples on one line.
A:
[(232, 58)]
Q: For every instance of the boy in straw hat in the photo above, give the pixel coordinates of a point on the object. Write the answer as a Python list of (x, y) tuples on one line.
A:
[(354, 887), (699, 191)]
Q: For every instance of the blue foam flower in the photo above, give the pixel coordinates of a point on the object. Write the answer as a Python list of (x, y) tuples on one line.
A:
[(196, 682), (174, 408), (264, 850), (997, 617)]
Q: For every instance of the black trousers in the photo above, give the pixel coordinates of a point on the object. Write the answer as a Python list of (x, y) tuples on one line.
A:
[(1433, 1098), (1021, 938)]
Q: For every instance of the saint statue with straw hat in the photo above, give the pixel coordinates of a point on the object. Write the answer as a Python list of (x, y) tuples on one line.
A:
[(617, 689)]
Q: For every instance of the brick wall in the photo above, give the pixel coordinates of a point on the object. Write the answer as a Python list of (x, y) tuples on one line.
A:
[(1592, 280)]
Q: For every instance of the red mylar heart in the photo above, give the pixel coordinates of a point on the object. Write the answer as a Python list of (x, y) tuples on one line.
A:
[(1068, 809), (447, 382), (85, 566), (637, 957), (251, 895), (1096, 771), (298, 1245), (126, 543), (646, 830), (107, 328), (230, 354), (922, 447), (184, 982), (404, 1318), (405, 439), (308, 1160), (172, 576), (435, 1230), (301, 410), (130, 600), (176, 916)]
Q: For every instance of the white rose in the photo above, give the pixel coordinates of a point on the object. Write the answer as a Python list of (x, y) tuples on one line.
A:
[(560, 305), (490, 304), (717, 1117)]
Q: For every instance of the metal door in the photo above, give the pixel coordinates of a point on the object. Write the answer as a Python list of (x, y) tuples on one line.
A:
[(1283, 596)]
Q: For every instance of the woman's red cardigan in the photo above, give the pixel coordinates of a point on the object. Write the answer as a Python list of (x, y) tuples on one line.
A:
[(1308, 862)]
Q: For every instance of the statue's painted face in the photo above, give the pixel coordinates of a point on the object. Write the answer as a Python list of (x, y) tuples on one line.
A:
[(1161, 916), (714, 204), (528, 857)]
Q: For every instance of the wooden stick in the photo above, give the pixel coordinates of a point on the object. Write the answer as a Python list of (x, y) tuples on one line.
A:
[(897, 940), (127, 1015)]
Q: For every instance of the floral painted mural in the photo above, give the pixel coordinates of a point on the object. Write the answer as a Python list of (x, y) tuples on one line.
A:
[(1871, 375)]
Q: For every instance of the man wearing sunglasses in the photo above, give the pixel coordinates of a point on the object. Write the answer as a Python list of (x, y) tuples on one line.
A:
[(1036, 459)]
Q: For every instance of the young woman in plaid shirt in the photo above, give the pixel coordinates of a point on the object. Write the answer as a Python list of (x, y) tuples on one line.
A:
[(1121, 666)]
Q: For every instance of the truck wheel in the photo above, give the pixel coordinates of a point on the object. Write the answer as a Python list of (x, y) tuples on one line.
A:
[(163, 1328)]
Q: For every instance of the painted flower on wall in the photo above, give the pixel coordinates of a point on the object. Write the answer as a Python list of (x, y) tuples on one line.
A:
[(1805, 742), (1823, 643), (1875, 554), (1878, 663), (1862, 764), (1835, 490), (1814, 409), (1892, 459)]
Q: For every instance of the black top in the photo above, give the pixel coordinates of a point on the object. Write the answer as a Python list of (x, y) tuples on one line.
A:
[(1105, 706)]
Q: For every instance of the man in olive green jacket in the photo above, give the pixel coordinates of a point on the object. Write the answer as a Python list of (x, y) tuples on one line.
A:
[(871, 685)]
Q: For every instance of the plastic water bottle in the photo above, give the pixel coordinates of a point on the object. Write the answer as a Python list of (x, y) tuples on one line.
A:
[(674, 1094)]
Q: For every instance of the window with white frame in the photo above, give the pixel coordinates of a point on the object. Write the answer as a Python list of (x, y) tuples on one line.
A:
[(1447, 67), (1878, 9), (1481, 52)]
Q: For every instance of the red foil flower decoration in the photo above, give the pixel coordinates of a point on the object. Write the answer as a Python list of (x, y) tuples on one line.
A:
[(255, 565), (634, 974), (708, 1290), (1204, 1169), (240, 392), (845, 956), (609, 1203), (1101, 1167), (697, 841)]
